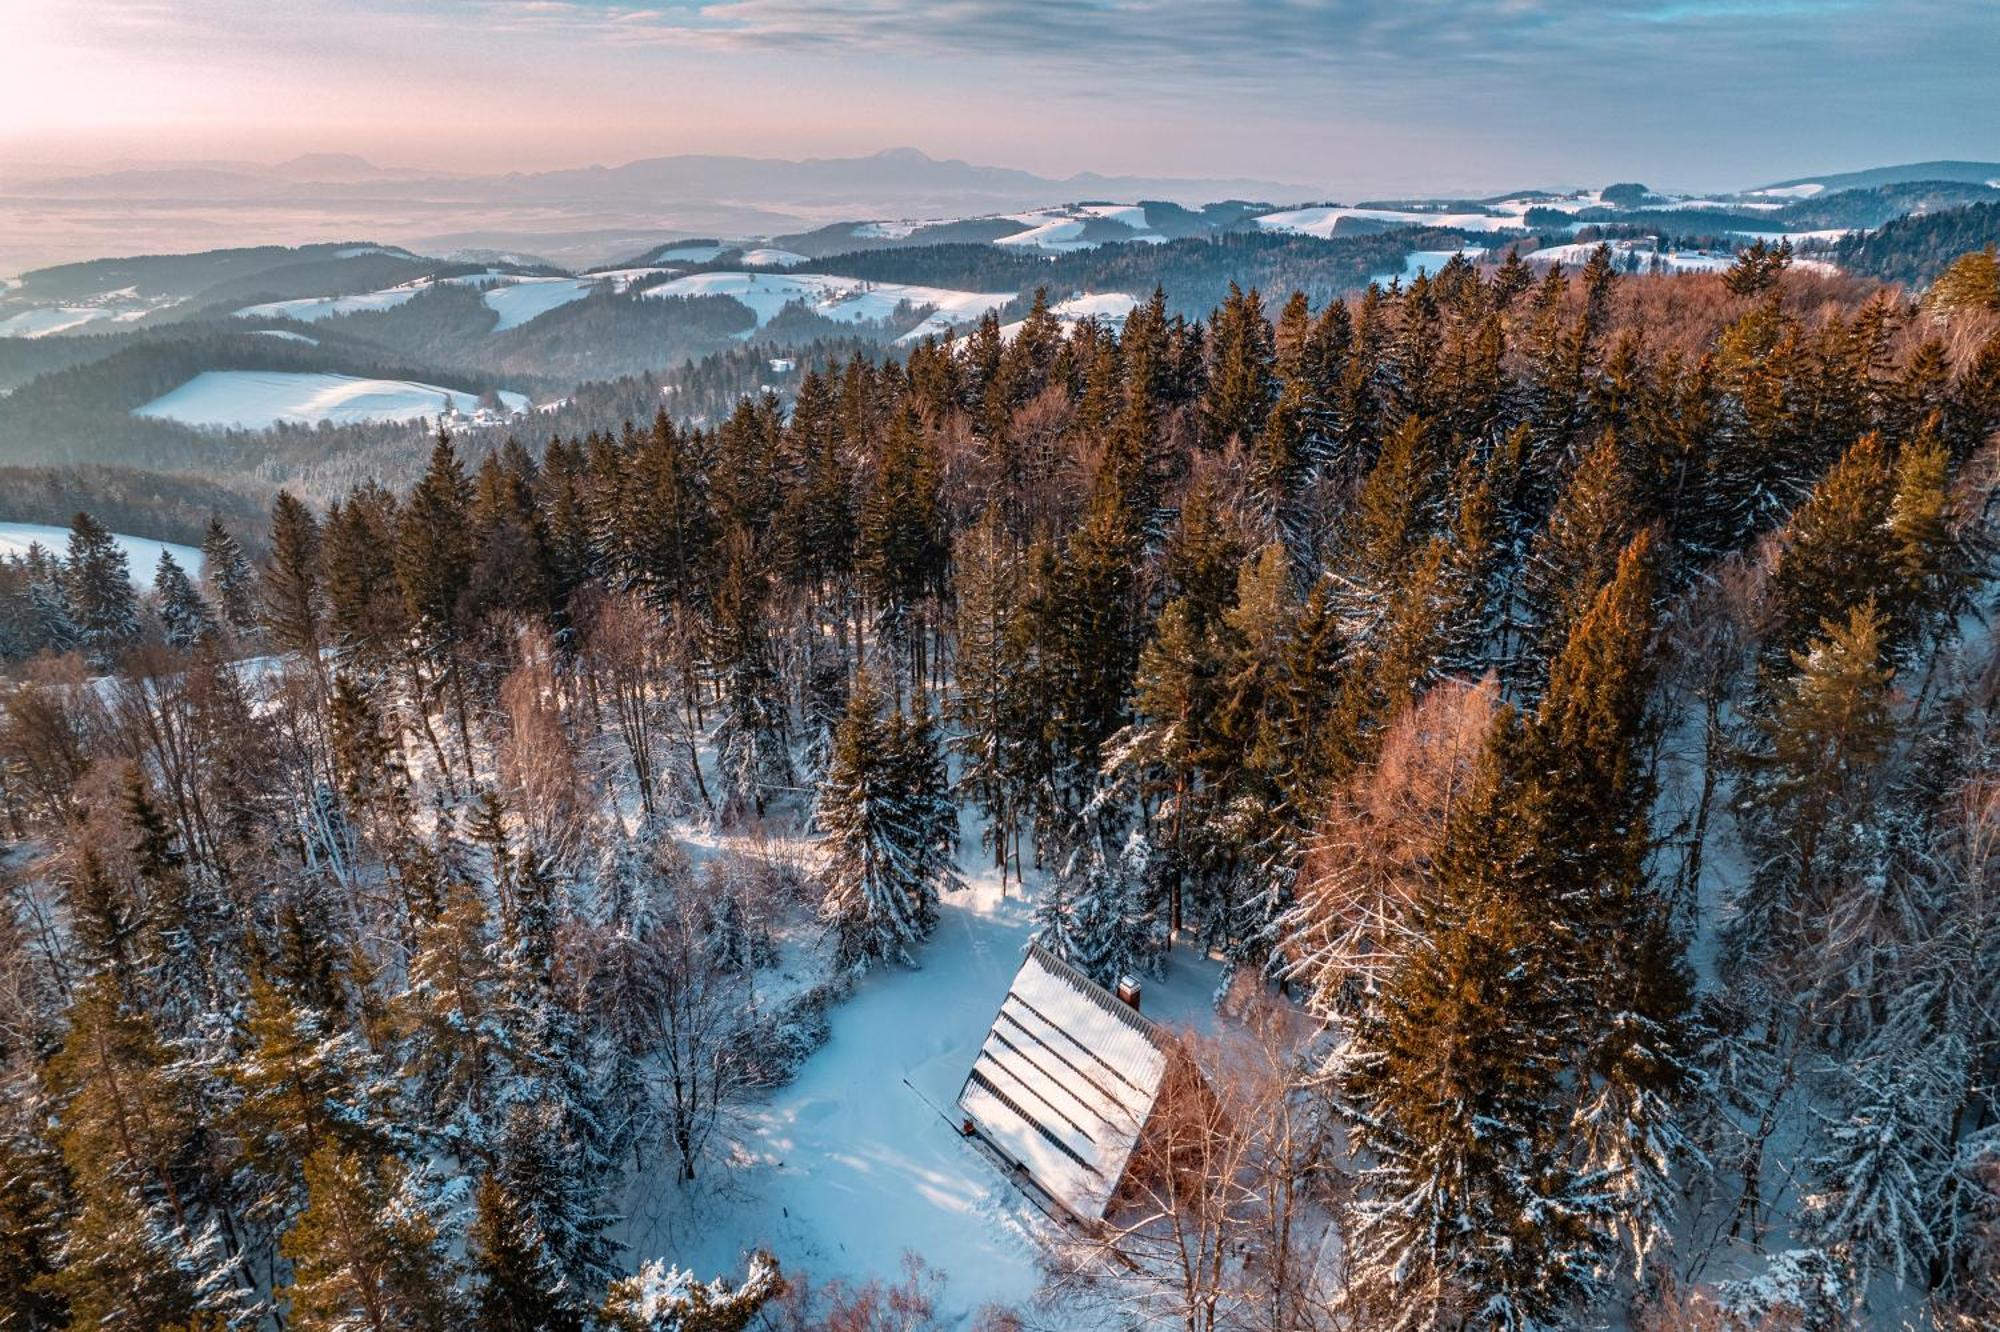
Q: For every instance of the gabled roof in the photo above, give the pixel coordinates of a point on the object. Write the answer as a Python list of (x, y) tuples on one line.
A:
[(1065, 1081)]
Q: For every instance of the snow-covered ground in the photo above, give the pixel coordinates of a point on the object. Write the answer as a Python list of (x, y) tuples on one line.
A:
[(50, 321), (528, 298), (258, 399), (848, 300), (859, 1159), (1107, 307), (516, 299), (1673, 261), (1426, 261), (286, 335), (1322, 221), (767, 257), (142, 554)]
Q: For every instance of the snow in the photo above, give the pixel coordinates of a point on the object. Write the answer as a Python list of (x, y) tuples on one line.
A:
[(1322, 220), (312, 309), (1064, 1084), (1675, 261), (689, 254), (515, 299), (771, 258), (848, 300), (859, 1159), (287, 335), (886, 230), (52, 320), (1056, 233), (530, 298), (142, 554), (1109, 308), (258, 399), (1805, 191), (1426, 261), (1132, 215)]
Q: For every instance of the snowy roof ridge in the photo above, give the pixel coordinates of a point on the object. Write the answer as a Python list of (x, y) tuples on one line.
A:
[(1065, 1082), (1096, 993)]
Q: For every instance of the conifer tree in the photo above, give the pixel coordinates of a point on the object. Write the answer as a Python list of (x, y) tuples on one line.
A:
[(184, 617), (516, 1285), (884, 807), (1810, 775), (98, 582), (661, 1298), (366, 1252), (232, 584), (293, 613), (752, 741)]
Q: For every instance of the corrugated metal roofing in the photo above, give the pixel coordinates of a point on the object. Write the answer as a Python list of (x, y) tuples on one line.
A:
[(1065, 1081)]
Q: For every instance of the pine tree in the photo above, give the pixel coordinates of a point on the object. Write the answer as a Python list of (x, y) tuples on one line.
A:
[(366, 1252), (1809, 779), (1883, 1166), (1836, 552), (667, 1299), (516, 1285), (232, 584), (184, 617), (293, 612), (752, 741), (132, 1258), (883, 807), (98, 582)]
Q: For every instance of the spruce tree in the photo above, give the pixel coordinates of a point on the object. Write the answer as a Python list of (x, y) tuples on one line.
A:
[(883, 808), (185, 619), (232, 584), (366, 1252), (516, 1287), (98, 582)]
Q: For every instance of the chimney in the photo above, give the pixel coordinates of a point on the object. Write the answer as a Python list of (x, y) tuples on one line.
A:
[(1128, 991)]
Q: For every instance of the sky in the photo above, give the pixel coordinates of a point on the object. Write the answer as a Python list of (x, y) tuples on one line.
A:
[(1424, 96)]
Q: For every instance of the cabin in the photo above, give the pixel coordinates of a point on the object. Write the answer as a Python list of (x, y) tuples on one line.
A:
[(1064, 1085)]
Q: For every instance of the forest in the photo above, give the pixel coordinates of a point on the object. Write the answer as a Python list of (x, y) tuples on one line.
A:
[(1563, 703)]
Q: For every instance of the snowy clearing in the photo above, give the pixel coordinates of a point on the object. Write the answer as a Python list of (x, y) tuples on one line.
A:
[(530, 298), (1426, 261), (848, 300), (771, 258), (859, 1159), (514, 298), (142, 554), (52, 321), (259, 399), (286, 334), (1324, 220), (1109, 308)]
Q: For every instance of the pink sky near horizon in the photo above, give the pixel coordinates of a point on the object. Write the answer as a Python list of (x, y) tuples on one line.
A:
[(1361, 95)]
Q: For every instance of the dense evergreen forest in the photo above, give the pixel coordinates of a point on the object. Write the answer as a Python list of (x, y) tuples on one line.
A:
[(1566, 701), (1916, 249)]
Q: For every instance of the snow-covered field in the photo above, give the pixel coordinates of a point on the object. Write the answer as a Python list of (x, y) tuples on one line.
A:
[(767, 257), (258, 399), (528, 298), (142, 554), (516, 299), (52, 320), (1323, 220), (848, 300), (1426, 261), (1109, 308)]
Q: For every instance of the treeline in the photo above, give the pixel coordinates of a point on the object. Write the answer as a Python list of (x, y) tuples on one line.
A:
[(1914, 250), (1357, 642), (147, 504), (1196, 273)]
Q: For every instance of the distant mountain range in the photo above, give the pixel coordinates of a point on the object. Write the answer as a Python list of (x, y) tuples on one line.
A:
[(585, 216)]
